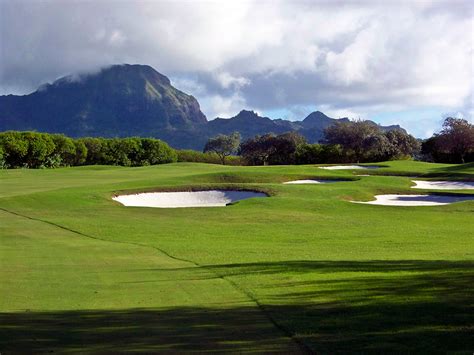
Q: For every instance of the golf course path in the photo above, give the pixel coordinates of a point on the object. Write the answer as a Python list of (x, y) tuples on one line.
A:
[(206, 311)]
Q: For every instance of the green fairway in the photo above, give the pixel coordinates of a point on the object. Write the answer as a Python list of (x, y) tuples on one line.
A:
[(303, 270)]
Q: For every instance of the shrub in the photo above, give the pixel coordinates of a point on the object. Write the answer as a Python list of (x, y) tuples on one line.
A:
[(193, 156)]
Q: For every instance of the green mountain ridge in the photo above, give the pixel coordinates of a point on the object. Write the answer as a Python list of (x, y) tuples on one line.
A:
[(136, 100)]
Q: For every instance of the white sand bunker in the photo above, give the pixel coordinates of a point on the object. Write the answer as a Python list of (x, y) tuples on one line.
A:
[(312, 181), (443, 185), (349, 167), (416, 200), (211, 198)]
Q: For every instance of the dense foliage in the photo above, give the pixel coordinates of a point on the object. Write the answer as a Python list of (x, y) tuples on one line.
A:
[(453, 144), (271, 149), (43, 150), (193, 156), (345, 142), (223, 145), (363, 141)]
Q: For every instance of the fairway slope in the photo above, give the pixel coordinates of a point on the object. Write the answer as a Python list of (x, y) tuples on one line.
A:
[(120, 299), (304, 268)]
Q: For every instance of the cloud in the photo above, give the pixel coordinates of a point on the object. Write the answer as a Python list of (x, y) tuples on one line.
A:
[(358, 57), (227, 80), (223, 106)]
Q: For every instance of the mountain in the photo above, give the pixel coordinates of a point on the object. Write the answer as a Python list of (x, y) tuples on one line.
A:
[(136, 100), (249, 124), (121, 100)]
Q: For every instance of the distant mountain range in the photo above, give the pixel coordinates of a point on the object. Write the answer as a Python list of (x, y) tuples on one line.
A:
[(136, 100)]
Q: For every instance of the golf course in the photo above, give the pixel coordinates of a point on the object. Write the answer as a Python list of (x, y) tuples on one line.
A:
[(299, 269)]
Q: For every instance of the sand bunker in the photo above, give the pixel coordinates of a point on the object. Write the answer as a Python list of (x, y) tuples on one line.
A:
[(443, 185), (312, 181), (349, 167), (416, 200), (211, 198)]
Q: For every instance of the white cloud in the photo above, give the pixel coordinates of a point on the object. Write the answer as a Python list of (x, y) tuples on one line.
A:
[(346, 56), (222, 106), (227, 80)]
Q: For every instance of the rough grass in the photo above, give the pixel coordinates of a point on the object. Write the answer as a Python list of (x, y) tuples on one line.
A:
[(303, 270)]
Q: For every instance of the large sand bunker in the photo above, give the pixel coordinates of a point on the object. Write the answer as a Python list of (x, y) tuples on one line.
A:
[(211, 198), (443, 185), (312, 181), (349, 167), (416, 200)]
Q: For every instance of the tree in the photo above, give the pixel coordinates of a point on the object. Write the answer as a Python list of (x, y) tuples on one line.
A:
[(40, 149), (15, 148), (80, 154), (361, 139), (96, 150), (155, 151), (401, 144), (457, 137), (309, 154), (2, 158), (223, 145), (272, 149), (257, 150), (285, 146), (64, 151)]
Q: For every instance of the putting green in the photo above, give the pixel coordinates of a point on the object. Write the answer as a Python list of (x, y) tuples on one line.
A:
[(302, 270)]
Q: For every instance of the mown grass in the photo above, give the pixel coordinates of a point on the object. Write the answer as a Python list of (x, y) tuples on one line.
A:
[(303, 270)]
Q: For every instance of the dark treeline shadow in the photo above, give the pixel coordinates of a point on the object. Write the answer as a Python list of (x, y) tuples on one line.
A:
[(400, 306)]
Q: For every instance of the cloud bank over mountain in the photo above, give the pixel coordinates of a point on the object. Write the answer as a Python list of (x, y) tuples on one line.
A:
[(358, 58)]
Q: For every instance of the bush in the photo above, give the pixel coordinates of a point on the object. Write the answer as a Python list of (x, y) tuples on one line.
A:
[(154, 151), (80, 155), (271, 149), (2, 158), (96, 150), (309, 154), (39, 150), (15, 149), (64, 151), (193, 156)]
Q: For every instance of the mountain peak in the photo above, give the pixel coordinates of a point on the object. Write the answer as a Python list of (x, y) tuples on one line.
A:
[(143, 71), (316, 115), (113, 74), (247, 114), (124, 99)]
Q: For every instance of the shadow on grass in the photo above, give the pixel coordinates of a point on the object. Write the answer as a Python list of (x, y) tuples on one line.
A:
[(332, 306), (241, 329), (360, 306), (463, 171)]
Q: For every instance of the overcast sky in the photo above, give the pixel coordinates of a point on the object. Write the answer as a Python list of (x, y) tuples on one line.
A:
[(407, 62)]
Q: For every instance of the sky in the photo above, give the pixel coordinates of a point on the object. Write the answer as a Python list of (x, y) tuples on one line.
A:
[(395, 62)]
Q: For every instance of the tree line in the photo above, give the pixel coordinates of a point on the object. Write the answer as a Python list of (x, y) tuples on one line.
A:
[(453, 144), (344, 142), (348, 142), (44, 150)]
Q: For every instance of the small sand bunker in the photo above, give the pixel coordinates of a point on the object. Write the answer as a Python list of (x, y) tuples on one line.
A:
[(312, 181), (416, 200), (443, 185), (349, 167), (211, 198)]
